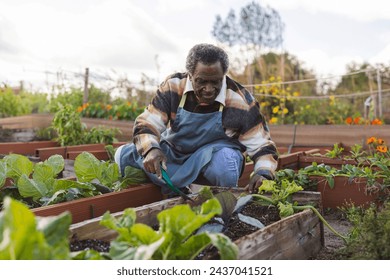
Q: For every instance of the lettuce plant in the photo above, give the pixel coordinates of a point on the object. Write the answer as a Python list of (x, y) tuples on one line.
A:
[(26, 237), (176, 237), (38, 182), (281, 197)]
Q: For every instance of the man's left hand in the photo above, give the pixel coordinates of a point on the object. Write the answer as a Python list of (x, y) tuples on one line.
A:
[(254, 183)]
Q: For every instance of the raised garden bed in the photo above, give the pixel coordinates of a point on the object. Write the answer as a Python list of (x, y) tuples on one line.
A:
[(91, 207), (299, 236)]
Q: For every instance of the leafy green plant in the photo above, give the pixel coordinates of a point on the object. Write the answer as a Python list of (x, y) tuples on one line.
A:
[(369, 238), (71, 131), (336, 152), (25, 237), (38, 184), (68, 126), (176, 237), (281, 197)]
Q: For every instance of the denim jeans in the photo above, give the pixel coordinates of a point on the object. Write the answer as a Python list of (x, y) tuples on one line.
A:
[(224, 169)]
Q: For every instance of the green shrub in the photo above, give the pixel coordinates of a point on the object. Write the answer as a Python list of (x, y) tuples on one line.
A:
[(370, 235)]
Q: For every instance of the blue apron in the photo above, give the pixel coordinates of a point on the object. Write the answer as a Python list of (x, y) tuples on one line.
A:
[(188, 144)]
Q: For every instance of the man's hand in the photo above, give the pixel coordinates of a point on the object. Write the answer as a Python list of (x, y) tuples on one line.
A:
[(154, 158), (254, 183)]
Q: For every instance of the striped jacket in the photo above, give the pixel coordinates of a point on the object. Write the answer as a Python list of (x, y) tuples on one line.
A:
[(241, 120)]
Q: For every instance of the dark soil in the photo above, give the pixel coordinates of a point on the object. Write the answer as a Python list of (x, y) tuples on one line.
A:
[(265, 214), (95, 244)]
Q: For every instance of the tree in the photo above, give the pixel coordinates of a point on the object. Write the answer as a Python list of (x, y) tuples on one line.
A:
[(255, 27)]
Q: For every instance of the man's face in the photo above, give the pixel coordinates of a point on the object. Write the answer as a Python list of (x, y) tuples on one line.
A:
[(207, 82)]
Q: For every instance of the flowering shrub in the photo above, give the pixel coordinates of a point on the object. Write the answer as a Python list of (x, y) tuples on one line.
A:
[(361, 121), (281, 105), (122, 111)]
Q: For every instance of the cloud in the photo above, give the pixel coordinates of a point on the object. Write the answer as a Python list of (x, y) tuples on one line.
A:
[(325, 64), (382, 57), (360, 10)]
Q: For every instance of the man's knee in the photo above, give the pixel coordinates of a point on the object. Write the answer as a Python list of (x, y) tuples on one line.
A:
[(224, 168)]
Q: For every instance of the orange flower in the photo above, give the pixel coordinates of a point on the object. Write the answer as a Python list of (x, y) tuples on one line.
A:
[(380, 141), (371, 140), (79, 109), (376, 122), (356, 120), (108, 107), (348, 120), (382, 149)]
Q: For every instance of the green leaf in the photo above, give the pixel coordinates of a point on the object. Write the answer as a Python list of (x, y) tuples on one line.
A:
[(193, 246), (109, 174), (44, 173), (330, 180), (227, 249), (285, 209), (134, 176), (122, 251), (22, 239), (87, 167), (228, 201), (56, 162), (31, 188), (17, 165), (56, 232)]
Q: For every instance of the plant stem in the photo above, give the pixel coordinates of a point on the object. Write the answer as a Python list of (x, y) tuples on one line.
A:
[(321, 218)]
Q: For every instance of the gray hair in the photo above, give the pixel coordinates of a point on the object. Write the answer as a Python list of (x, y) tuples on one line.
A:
[(207, 54)]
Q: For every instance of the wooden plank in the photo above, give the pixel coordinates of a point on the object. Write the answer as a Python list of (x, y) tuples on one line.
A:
[(45, 153), (297, 237), (99, 154), (91, 207), (25, 148)]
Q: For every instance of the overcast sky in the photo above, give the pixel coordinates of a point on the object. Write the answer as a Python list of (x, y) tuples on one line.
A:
[(132, 37)]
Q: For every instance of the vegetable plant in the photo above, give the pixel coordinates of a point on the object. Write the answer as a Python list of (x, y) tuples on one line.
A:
[(281, 197), (38, 184), (175, 238)]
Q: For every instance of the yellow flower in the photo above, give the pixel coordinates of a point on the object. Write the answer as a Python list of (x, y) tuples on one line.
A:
[(285, 111), (295, 93), (273, 120), (275, 110)]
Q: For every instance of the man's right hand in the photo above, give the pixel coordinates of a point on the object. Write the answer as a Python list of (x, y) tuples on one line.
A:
[(154, 158)]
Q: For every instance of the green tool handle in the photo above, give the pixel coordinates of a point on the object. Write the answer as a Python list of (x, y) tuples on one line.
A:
[(172, 187)]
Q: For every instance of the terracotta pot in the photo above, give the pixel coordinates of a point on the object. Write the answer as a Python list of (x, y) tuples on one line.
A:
[(345, 192)]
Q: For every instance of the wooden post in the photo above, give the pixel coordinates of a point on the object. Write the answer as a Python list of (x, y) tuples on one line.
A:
[(85, 99), (373, 95), (379, 83)]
